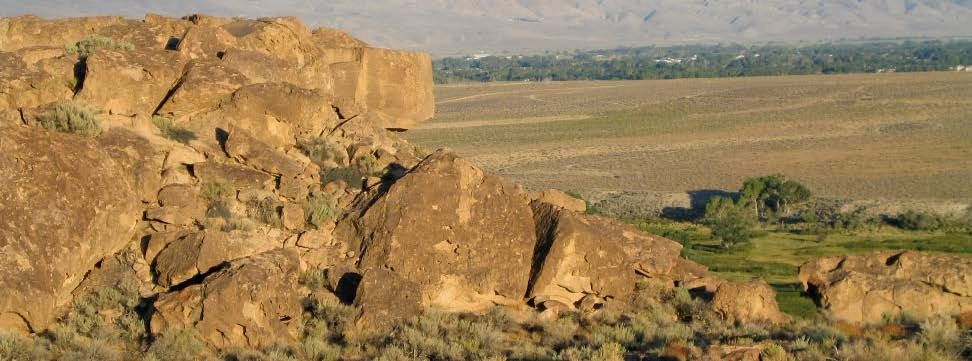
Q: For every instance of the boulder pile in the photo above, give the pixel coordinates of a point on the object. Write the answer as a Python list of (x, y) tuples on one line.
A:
[(865, 289), (233, 158)]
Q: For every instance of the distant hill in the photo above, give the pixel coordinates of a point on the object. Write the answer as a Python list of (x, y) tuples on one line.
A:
[(447, 27)]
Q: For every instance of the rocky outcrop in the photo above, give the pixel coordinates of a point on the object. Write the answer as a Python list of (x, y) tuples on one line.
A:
[(578, 255), (232, 155), (443, 226), (863, 288), (65, 205), (227, 55), (253, 302)]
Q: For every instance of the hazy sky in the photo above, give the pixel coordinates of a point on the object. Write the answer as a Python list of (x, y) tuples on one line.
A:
[(465, 26)]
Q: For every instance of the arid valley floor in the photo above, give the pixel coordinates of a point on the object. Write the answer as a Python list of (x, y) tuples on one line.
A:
[(899, 137)]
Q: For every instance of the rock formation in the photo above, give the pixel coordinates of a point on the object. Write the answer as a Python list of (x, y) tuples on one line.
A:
[(66, 204), (864, 288), (231, 158)]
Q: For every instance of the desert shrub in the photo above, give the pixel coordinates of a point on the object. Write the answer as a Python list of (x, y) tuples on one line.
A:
[(729, 223), (849, 221), (320, 208), (213, 192), (172, 131), (266, 210), (70, 117), (559, 333), (606, 352), (441, 336), (86, 46), (325, 150), (313, 279), (775, 352), (177, 345), (327, 324), (941, 333), (217, 196), (368, 164), (92, 331), (17, 347)]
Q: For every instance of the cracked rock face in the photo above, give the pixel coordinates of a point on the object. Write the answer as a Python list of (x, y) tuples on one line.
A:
[(465, 238), (863, 288), (255, 302), (579, 255), (65, 204)]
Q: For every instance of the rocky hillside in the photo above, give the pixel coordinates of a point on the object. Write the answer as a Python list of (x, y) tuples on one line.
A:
[(231, 176), (450, 27)]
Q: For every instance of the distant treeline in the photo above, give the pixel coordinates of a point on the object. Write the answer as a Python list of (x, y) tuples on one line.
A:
[(709, 61)]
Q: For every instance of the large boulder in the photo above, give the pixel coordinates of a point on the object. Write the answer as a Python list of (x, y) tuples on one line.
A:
[(252, 302), (25, 31), (65, 204), (747, 302), (132, 82), (201, 252), (278, 114), (155, 32), (443, 226), (203, 85), (579, 255), (864, 288), (397, 85), (25, 86)]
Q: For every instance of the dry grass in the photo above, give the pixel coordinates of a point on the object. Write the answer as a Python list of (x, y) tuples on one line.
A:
[(869, 136)]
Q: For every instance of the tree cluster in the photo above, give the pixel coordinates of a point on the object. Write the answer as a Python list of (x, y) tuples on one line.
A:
[(709, 61), (759, 199)]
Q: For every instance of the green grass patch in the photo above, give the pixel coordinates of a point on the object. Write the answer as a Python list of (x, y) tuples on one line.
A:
[(776, 255)]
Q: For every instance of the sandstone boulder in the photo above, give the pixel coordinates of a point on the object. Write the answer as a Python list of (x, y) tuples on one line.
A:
[(246, 148), (278, 114), (334, 38), (259, 67), (253, 302), (396, 84), (203, 85), (23, 86), (139, 155), (284, 37), (443, 226), (747, 302), (25, 31), (130, 82), (154, 32), (579, 255), (201, 252), (863, 288), (238, 176), (65, 205), (563, 200)]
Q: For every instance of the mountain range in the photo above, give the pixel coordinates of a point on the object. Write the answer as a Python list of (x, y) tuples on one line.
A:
[(448, 27)]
